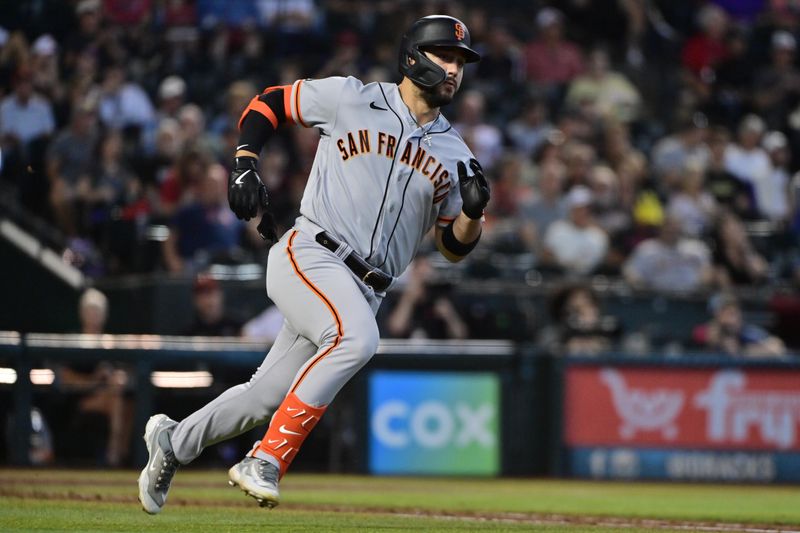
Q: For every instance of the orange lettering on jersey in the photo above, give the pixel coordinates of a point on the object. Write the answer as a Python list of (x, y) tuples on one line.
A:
[(442, 179), (418, 158), (435, 172), (428, 161), (363, 139), (352, 142), (406, 157), (391, 144), (340, 145), (381, 141)]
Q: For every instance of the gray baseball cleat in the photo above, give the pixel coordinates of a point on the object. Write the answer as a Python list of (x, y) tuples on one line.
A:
[(257, 478), (157, 475)]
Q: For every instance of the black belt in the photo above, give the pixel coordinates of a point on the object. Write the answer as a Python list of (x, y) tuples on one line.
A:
[(367, 273)]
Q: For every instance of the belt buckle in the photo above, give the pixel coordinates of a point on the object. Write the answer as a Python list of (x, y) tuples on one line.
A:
[(365, 279)]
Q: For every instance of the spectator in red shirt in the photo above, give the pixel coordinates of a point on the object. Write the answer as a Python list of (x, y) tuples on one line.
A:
[(705, 50), (708, 47), (551, 60)]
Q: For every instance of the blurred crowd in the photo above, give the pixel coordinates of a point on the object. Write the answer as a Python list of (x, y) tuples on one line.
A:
[(650, 141)]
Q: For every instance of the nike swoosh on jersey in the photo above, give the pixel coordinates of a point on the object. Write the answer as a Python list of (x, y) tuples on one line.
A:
[(238, 181), (285, 431), (373, 105)]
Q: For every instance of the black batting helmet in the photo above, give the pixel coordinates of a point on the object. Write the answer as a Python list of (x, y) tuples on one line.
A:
[(431, 31)]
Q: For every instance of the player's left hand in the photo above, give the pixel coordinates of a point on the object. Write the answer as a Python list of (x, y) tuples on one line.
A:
[(246, 192), (474, 188)]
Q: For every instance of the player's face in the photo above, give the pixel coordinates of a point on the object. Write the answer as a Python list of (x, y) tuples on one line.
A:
[(452, 61)]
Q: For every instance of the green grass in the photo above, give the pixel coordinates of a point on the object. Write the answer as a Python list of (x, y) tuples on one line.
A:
[(75, 500)]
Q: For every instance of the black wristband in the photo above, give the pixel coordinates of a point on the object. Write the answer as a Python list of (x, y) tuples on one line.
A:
[(245, 162), (453, 245)]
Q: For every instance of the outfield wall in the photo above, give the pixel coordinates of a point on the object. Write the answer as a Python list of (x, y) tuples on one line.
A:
[(479, 408)]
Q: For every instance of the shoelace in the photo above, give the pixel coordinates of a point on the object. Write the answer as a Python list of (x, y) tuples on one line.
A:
[(168, 467)]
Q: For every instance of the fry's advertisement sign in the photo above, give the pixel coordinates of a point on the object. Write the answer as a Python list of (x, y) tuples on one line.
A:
[(741, 409)]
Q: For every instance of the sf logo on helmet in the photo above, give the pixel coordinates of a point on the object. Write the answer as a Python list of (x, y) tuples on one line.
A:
[(460, 32)]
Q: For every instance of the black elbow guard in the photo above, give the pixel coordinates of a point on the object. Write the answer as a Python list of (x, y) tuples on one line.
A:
[(260, 119)]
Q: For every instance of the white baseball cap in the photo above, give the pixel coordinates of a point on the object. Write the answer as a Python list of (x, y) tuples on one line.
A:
[(578, 196), (171, 86), (44, 45), (783, 40), (774, 140), (548, 16)]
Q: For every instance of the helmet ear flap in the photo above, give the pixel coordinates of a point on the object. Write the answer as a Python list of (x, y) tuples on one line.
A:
[(423, 71)]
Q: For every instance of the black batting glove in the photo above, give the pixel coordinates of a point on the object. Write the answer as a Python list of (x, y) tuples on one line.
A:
[(246, 192), (474, 189)]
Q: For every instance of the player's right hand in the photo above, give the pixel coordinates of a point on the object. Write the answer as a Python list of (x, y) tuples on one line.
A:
[(246, 191)]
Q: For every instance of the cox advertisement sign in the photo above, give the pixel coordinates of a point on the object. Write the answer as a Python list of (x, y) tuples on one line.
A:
[(434, 423), (683, 407)]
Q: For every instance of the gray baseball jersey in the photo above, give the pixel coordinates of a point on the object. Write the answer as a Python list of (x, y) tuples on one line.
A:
[(379, 182)]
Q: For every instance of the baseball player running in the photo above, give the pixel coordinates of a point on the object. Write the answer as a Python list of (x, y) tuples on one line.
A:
[(388, 168)]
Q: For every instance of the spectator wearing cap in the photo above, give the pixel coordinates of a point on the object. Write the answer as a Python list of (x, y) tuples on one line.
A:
[(87, 32), (210, 319), (551, 60), (44, 65), (705, 50), (745, 159), (777, 85), (171, 96), (669, 262), (772, 195), (575, 244), (729, 334)]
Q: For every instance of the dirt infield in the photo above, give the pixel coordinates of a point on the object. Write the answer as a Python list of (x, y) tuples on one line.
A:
[(8, 490)]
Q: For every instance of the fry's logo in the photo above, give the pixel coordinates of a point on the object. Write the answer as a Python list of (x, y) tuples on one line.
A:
[(733, 415), (732, 411), (641, 409)]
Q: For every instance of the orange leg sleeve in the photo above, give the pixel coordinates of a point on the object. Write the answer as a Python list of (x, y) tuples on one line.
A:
[(290, 426)]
